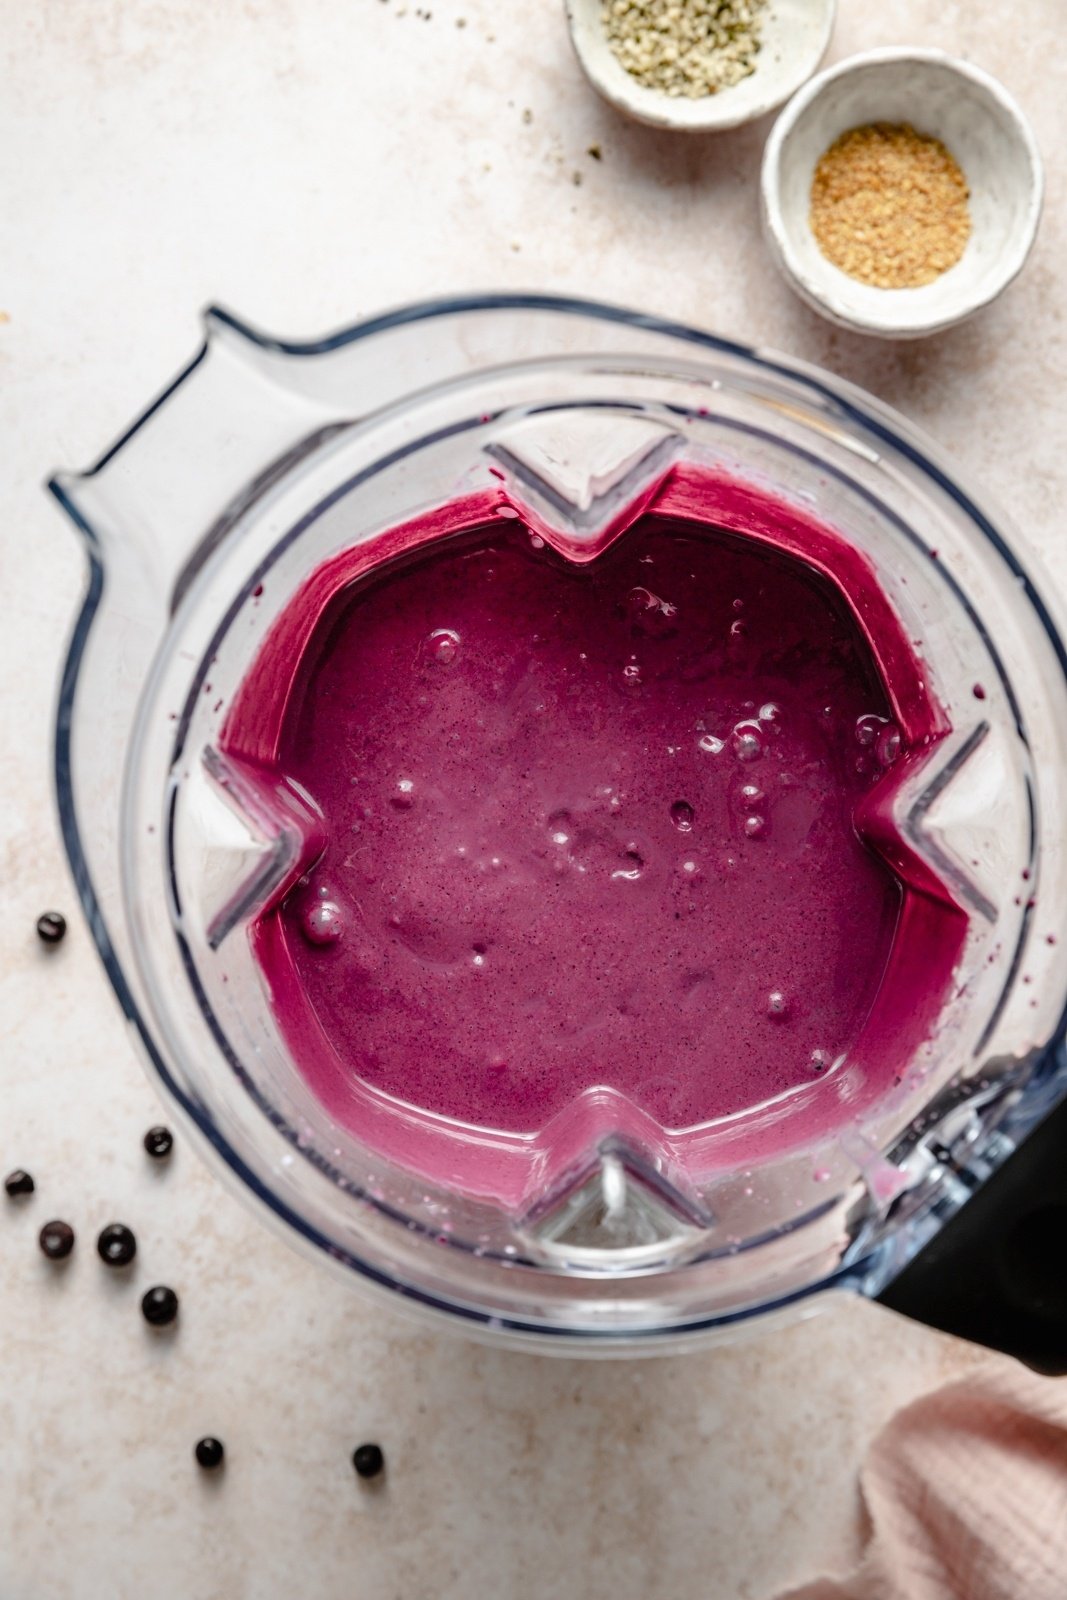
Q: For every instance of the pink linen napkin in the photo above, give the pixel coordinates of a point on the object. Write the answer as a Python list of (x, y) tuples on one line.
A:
[(966, 1490)]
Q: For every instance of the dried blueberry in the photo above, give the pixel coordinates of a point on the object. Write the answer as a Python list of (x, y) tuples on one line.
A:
[(159, 1142), (56, 1240), (159, 1305), (368, 1460), (209, 1453), (116, 1245)]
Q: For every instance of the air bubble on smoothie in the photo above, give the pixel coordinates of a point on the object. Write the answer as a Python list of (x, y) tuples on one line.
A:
[(649, 613), (746, 741), (777, 1006), (756, 826), (403, 796), (682, 815), (887, 747), (868, 729), (631, 673), (640, 600), (770, 716), (738, 629), (696, 981), (749, 797), (820, 1061), (444, 646), (323, 923), (635, 865), (710, 745), (560, 827)]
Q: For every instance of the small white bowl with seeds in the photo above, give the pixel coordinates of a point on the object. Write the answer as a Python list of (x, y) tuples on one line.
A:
[(880, 248), (699, 65)]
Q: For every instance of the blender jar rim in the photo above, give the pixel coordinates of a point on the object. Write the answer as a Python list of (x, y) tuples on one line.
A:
[(857, 409)]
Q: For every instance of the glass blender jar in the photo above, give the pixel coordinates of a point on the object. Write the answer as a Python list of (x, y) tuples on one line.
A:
[(263, 463)]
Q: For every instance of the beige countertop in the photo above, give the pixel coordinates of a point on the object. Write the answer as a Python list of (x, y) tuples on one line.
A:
[(307, 162)]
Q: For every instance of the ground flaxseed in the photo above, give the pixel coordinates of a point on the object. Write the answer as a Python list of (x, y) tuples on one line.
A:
[(684, 47), (889, 206)]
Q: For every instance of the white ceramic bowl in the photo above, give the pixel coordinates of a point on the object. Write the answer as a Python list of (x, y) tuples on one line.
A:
[(795, 34), (983, 128)]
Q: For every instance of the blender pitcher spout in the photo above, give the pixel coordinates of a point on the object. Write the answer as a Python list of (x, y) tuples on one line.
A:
[(161, 498)]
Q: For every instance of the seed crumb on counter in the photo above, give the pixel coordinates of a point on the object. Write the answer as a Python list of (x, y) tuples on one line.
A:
[(889, 206), (684, 47)]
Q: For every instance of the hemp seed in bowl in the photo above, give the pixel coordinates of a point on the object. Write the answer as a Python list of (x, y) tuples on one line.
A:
[(690, 47), (698, 65)]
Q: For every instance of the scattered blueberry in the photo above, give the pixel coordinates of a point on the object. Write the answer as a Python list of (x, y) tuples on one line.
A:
[(159, 1306), (209, 1453), (51, 926), (159, 1142), (116, 1245), (56, 1240), (368, 1460), (18, 1182)]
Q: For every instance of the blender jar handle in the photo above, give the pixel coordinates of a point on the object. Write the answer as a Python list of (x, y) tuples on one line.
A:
[(996, 1273)]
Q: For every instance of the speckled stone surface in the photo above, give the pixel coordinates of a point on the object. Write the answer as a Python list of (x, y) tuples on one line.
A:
[(306, 162)]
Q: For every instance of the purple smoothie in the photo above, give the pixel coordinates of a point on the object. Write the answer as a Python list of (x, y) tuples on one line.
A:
[(595, 827)]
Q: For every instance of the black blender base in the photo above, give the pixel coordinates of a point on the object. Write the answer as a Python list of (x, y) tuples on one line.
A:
[(997, 1273)]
